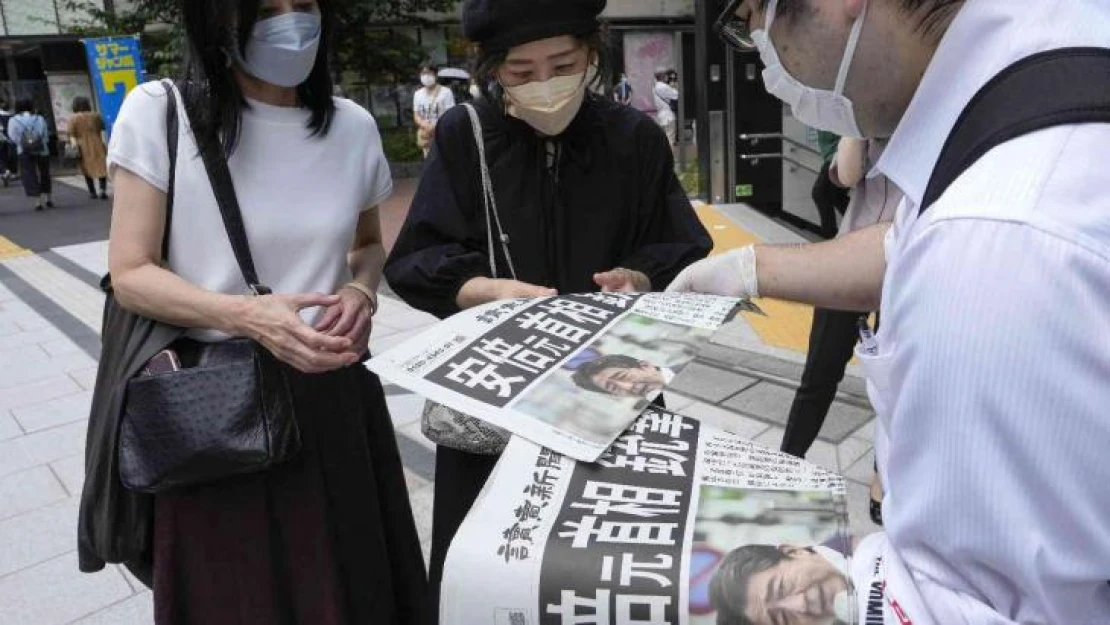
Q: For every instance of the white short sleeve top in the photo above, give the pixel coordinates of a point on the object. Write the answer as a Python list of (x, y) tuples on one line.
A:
[(301, 196)]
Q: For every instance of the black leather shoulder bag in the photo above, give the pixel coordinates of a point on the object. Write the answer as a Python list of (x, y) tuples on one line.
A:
[(229, 413)]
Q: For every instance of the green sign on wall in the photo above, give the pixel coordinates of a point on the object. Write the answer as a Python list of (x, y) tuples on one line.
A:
[(745, 190)]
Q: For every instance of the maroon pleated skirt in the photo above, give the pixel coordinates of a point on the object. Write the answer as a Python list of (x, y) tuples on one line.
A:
[(325, 539)]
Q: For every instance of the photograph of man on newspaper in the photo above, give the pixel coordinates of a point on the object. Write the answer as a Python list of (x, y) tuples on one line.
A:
[(627, 367), (770, 558), (622, 376)]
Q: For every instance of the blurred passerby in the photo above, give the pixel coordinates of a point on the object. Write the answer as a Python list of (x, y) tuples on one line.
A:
[(829, 194), (623, 91), (554, 149), (86, 133), (327, 537), (31, 136), (8, 165), (666, 98), (429, 103), (834, 333)]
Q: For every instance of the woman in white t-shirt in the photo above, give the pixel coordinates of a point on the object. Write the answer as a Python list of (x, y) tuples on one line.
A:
[(328, 537), (429, 103)]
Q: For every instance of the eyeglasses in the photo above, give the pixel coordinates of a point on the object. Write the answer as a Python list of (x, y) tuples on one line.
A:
[(734, 30)]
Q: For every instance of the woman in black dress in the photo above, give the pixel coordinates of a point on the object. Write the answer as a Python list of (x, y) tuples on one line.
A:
[(588, 195), (328, 537)]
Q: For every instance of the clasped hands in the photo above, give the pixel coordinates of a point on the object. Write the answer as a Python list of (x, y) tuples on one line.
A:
[(339, 339)]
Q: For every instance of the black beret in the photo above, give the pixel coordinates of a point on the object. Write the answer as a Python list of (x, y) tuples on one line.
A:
[(502, 24)]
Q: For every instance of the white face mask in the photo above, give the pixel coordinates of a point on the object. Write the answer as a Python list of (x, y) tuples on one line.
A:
[(282, 50), (550, 106), (475, 92), (427, 80), (818, 108)]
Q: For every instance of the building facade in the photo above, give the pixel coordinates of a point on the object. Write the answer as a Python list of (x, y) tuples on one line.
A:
[(41, 60)]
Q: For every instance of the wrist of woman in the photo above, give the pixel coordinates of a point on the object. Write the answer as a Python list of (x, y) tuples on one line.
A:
[(366, 292), (475, 292), (235, 316)]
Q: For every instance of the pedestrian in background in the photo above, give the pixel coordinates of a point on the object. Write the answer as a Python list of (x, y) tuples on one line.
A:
[(829, 195), (7, 148), (666, 101), (86, 133), (328, 537), (31, 136), (623, 91), (586, 189), (834, 333), (429, 103)]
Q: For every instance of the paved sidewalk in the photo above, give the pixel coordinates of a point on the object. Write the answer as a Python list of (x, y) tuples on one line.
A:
[(49, 323)]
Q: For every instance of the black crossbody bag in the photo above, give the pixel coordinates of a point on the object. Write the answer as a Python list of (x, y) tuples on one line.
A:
[(229, 413)]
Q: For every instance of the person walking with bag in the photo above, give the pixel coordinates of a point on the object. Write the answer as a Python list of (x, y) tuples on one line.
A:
[(86, 133), (312, 524), (31, 136), (582, 197)]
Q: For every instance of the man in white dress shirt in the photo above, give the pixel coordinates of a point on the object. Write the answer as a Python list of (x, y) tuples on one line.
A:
[(991, 373)]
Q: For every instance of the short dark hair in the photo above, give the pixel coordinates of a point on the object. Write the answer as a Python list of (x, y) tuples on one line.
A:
[(212, 96), (24, 105), (81, 104), (728, 591), (488, 61), (429, 67), (584, 376), (933, 13)]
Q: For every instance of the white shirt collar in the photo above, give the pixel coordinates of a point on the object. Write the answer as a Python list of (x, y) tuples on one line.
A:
[(979, 44)]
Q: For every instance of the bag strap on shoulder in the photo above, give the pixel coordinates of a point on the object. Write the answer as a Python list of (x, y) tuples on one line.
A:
[(489, 199), (171, 146), (223, 187), (1046, 90)]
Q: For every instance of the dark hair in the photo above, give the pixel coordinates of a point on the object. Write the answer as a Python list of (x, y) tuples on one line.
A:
[(81, 104), (584, 376), (212, 96), (933, 13), (728, 591), (429, 67), (24, 105), (489, 61)]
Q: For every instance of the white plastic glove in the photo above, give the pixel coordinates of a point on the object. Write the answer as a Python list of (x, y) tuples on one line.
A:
[(731, 274)]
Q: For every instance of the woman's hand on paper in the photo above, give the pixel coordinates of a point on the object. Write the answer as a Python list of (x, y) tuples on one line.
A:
[(621, 280), (478, 291)]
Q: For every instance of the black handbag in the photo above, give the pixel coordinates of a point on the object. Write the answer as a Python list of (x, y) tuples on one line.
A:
[(230, 412)]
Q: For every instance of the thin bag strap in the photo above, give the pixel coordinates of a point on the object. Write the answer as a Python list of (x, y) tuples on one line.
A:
[(489, 199), (219, 176), (171, 146), (1046, 90)]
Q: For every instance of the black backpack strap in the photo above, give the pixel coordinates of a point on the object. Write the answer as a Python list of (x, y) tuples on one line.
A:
[(1055, 88)]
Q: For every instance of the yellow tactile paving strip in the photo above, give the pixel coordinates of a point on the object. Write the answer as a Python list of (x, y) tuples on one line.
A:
[(11, 250), (787, 324)]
